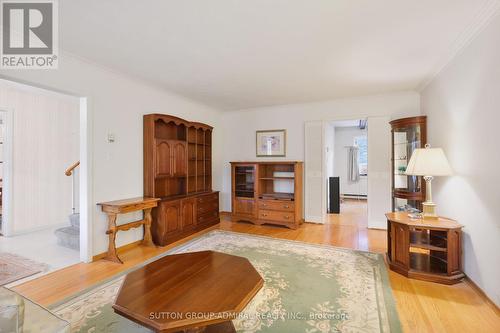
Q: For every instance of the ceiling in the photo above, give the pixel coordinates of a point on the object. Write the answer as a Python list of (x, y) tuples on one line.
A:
[(236, 54)]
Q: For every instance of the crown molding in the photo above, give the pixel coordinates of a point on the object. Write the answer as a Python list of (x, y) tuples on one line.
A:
[(482, 19)]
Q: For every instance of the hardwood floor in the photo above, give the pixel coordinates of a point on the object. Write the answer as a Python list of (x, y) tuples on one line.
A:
[(422, 306)]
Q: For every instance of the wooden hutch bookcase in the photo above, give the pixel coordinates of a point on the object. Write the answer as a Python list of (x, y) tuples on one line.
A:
[(178, 170), (267, 192), (407, 135)]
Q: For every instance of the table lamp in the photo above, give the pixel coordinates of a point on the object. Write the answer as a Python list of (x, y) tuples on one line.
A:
[(428, 162)]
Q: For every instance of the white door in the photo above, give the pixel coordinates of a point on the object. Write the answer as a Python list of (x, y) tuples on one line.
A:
[(315, 186), (379, 171)]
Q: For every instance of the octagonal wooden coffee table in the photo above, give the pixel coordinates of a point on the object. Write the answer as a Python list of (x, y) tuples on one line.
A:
[(190, 292)]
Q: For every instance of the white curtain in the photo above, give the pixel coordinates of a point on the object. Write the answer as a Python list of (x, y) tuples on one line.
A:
[(353, 167)]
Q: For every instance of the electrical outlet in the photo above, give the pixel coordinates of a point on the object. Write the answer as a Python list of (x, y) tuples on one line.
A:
[(111, 138)]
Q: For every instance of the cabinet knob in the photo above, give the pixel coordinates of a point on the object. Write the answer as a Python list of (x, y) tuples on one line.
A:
[(264, 215), (287, 217), (286, 206)]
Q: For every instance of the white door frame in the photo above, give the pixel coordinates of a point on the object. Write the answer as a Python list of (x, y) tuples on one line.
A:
[(85, 196)]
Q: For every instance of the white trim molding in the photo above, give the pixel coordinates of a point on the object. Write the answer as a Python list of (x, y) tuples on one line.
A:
[(483, 17)]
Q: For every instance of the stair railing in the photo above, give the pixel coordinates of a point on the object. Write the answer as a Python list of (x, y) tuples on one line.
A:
[(70, 172)]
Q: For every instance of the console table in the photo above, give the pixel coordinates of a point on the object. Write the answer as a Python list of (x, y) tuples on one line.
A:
[(423, 249), (113, 208)]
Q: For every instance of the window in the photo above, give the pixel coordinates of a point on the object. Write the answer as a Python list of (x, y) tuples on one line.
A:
[(362, 143)]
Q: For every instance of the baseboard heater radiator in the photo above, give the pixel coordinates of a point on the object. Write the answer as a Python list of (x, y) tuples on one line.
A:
[(360, 196)]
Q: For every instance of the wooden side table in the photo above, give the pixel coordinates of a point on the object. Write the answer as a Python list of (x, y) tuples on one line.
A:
[(429, 250), (113, 208)]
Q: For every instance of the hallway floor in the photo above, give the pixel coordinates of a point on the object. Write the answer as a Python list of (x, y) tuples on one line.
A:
[(40, 246)]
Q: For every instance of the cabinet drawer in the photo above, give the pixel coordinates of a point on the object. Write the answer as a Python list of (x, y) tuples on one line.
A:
[(208, 198), (208, 217), (285, 206), (276, 216), (208, 207)]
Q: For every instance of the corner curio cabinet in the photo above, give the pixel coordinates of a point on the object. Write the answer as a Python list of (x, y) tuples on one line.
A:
[(407, 134)]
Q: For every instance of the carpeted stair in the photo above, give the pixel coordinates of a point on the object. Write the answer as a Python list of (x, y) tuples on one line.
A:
[(70, 236)]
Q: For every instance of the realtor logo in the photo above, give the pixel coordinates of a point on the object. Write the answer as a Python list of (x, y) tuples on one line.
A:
[(29, 34)]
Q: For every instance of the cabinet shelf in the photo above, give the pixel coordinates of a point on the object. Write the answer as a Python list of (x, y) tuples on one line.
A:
[(422, 262), (407, 143), (277, 196), (170, 176), (277, 178), (428, 247), (428, 240)]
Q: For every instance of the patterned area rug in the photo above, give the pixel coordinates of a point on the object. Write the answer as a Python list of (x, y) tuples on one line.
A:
[(14, 267), (308, 288)]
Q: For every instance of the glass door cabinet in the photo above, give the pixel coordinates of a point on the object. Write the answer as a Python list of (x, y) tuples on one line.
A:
[(408, 134)]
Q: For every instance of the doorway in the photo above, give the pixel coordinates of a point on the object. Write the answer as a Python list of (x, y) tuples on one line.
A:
[(319, 150), (40, 138), (347, 169)]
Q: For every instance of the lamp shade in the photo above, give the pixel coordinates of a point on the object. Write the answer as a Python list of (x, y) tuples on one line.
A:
[(428, 162)]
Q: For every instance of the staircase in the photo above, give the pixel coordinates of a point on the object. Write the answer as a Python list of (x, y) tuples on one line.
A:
[(70, 236)]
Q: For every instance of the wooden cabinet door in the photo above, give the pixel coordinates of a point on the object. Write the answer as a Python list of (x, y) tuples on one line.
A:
[(244, 206), (172, 211), (179, 158), (163, 158), (188, 214), (166, 221), (400, 246)]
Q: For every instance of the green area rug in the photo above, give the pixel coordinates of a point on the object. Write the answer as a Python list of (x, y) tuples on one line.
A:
[(308, 288)]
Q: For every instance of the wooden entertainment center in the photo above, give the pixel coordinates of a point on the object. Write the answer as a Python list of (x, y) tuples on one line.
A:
[(267, 192), (178, 170)]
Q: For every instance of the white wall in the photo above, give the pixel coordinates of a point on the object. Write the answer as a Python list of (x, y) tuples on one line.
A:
[(344, 136), (240, 126), (379, 171), (45, 140), (462, 105), (117, 103)]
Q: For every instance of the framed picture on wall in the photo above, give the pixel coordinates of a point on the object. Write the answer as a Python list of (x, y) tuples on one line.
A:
[(271, 143)]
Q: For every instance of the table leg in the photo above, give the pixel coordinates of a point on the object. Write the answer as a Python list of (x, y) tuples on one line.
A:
[(148, 239), (112, 255)]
